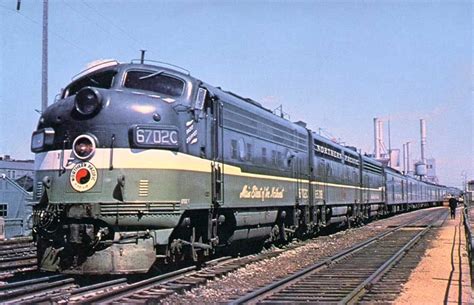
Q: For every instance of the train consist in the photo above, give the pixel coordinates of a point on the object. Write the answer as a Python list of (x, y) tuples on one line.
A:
[(141, 163)]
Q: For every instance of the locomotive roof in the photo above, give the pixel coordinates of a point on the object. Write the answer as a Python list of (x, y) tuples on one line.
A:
[(113, 64), (227, 96), (333, 144), (257, 108)]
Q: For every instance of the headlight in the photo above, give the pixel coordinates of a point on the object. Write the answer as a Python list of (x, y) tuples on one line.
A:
[(83, 147), (41, 139), (88, 101)]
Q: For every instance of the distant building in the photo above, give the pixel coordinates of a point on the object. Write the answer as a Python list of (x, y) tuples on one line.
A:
[(470, 186), (15, 207), (16, 186), (21, 171), (431, 170), (395, 159)]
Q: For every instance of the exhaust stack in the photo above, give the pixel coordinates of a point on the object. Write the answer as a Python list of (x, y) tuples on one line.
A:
[(423, 139), (378, 138)]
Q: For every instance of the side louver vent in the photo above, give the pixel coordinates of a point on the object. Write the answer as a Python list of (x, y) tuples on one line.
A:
[(39, 189), (143, 188)]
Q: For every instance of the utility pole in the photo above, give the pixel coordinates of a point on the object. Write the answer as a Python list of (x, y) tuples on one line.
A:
[(44, 55), (44, 62)]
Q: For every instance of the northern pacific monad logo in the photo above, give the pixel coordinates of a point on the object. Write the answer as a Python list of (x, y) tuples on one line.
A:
[(83, 176)]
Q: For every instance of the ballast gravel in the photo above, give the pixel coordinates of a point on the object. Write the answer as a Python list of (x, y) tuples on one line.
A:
[(261, 273)]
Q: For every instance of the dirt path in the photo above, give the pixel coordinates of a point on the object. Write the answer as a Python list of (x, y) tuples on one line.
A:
[(443, 276)]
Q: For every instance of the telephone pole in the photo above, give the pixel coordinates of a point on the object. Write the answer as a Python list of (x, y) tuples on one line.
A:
[(44, 61), (44, 55)]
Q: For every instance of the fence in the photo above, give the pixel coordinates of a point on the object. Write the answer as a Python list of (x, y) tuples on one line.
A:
[(468, 202)]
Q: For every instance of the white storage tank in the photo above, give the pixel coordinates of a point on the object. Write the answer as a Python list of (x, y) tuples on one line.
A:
[(420, 169)]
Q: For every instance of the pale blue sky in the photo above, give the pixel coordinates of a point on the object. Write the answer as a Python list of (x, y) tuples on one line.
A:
[(334, 65)]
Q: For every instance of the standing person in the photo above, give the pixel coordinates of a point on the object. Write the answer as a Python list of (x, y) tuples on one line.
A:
[(452, 205)]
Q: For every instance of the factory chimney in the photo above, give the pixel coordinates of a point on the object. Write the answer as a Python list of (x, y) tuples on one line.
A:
[(404, 158), (378, 138), (420, 166), (408, 157), (423, 139)]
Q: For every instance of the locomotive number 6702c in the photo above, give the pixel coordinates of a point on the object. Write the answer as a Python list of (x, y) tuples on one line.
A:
[(148, 136)]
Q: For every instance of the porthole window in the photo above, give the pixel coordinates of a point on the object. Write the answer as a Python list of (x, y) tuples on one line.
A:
[(289, 158), (234, 151), (321, 169), (328, 170), (242, 149), (249, 152)]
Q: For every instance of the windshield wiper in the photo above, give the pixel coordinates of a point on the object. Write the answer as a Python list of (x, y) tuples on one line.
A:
[(151, 75), (93, 80)]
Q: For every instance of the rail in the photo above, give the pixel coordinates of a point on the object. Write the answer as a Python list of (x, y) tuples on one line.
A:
[(469, 237), (351, 292), (17, 255)]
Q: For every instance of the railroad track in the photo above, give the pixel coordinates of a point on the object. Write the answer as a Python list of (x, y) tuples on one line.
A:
[(364, 273), (17, 255), (66, 290), (159, 287), (60, 289), (35, 290), (55, 289)]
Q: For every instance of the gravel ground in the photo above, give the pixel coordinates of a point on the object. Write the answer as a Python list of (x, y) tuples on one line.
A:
[(262, 273)]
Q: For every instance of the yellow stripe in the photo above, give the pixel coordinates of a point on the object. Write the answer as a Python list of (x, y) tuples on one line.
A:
[(347, 186), (163, 159)]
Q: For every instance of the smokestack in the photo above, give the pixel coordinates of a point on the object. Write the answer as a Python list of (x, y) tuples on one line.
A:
[(378, 137), (423, 139), (404, 159), (408, 157)]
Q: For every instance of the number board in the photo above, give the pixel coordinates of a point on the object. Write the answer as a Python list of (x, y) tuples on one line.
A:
[(154, 136)]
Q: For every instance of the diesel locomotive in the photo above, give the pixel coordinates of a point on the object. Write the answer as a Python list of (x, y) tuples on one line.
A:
[(141, 163)]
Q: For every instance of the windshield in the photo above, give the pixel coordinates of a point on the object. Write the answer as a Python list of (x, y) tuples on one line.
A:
[(155, 81), (102, 79)]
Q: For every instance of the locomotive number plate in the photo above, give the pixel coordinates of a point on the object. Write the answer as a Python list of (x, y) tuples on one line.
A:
[(146, 136)]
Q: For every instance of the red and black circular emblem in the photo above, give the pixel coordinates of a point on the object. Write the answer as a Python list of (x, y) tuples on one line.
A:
[(83, 176)]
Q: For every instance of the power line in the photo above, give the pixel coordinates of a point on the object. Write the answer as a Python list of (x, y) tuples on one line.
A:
[(136, 42), (86, 17), (31, 20), (7, 8), (91, 20)]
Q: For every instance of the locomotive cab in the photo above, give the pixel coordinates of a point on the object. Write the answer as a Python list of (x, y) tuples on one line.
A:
[(107, 170)]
